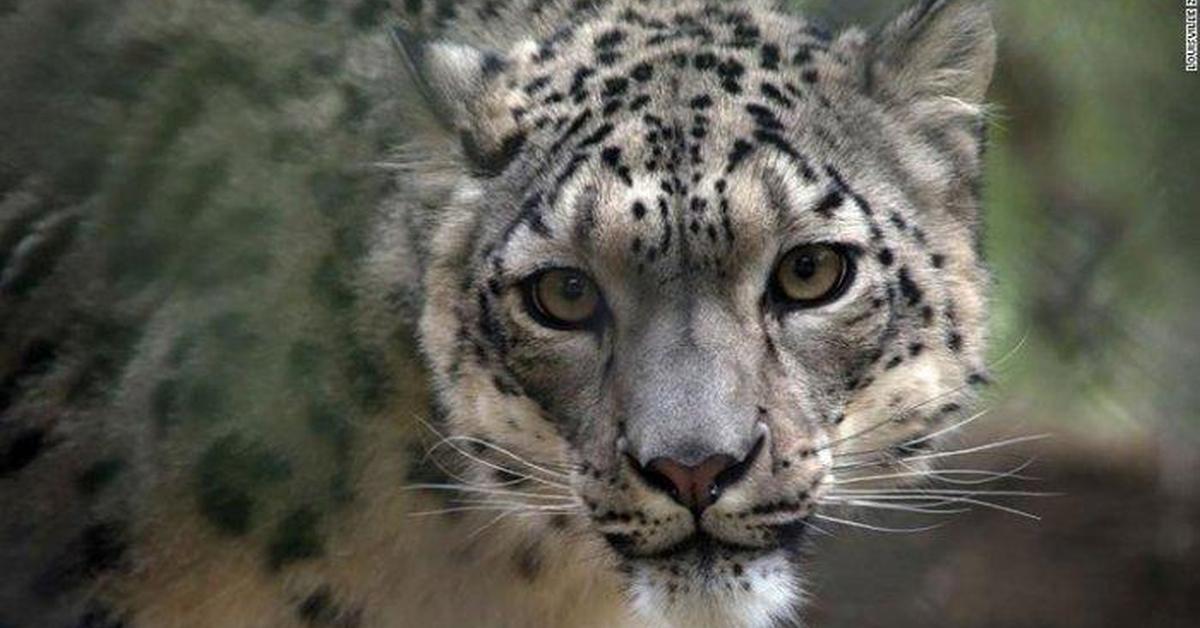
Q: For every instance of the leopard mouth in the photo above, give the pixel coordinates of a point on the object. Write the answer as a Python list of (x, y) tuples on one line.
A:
[(703, 548)]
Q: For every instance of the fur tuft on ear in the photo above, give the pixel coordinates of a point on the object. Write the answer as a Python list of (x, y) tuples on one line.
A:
[(457, 83), (938, 49)]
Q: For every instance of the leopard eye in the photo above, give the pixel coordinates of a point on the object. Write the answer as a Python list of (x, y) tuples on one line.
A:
[(563, 298), (811, 275)]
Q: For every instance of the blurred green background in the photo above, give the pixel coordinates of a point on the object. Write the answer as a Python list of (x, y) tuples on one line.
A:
[(201, 109), (1092, 232)]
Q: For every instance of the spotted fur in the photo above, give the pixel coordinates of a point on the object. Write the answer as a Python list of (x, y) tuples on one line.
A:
[(359, 423)]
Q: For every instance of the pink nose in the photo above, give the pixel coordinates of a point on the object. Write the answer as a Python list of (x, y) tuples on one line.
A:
[(695, 487)]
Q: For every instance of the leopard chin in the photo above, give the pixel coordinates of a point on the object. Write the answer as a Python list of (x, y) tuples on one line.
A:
[(744, 589)]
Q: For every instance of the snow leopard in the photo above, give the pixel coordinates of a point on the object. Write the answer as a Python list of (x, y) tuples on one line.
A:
[(491, 313)]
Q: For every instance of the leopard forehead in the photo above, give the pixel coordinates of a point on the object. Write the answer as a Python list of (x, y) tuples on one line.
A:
[(694, 138)]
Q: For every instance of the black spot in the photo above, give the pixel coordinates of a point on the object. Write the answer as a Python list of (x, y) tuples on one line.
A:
[(639, 210), (809, 76), (318, 607), (909, 288), (642, 72), (22, 450), (226, 473), (938, 261), (769, 56), (704, 60), (607, 58), (745, 35), (615, 86), (104, 545), (611, 156), (597, 136), (101, 547), (99, 475), (893, 363), (576, 124), (885, 257), (741, 149), (954, 340), (528, 563), (296, 537), (764, 117), (730, 70), (578, 80), (537, 84), (774, 139), (639, 102), (773, 93), (977, 379), (609, 39), (622, 543), (915, 349), (36, 359), (829, 203)]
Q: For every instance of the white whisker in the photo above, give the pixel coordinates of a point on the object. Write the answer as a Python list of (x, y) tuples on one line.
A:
[(489, 524), (940, 492), (456, 488), (945, 499), (945, 430), (874, 528), (495, 447), (943, 475), (488, 463), (978, 448), (918, 509)]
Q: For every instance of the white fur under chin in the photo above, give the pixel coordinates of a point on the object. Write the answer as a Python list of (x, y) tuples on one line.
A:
[(772, 599)]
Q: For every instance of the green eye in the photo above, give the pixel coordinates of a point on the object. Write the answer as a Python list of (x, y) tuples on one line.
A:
[(563, 298), (811, 275)]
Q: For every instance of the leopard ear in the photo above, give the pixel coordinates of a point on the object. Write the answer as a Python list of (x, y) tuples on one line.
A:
[(461, 87), (936, 50), (449, 75)]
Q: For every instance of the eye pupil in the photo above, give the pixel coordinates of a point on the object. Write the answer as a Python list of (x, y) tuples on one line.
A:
[(573, 288), (805, 266)]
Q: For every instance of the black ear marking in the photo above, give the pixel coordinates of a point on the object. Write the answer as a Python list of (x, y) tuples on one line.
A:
[(490, 163)]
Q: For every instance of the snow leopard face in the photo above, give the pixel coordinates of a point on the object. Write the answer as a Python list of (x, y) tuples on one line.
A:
[(693, 260)]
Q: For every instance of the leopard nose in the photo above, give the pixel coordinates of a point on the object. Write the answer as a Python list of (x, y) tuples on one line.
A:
[(696, 487)]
